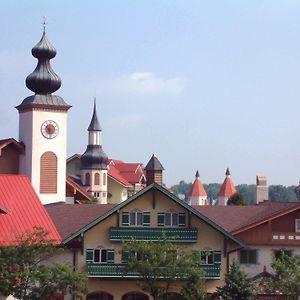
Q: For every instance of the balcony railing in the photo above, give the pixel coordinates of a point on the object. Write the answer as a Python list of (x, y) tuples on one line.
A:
[(97, 270), (183, 235)]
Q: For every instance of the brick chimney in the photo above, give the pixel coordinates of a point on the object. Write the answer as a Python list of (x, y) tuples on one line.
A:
[(262, 189)]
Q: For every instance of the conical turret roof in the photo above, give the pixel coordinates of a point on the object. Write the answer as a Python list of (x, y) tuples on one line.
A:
[(94, 125), (227, 189), (197, 188)]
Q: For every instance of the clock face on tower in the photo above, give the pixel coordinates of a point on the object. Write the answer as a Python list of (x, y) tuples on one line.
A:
[(49, 129)]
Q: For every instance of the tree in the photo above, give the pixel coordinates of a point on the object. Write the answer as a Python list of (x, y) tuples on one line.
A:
[(160, 265), (26, 275), (287, 274), (237, 199), (237, 285)]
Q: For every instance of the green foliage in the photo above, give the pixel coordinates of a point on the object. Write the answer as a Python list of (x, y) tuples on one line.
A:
[(276, 192), (237, 285), (287, 274), (161, 264), (237, 199), (25, 275), (282, 193), (193, 288), (93, 200)]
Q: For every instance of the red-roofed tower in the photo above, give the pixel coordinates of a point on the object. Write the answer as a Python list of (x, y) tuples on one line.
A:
[(197, 195), (227, 189)]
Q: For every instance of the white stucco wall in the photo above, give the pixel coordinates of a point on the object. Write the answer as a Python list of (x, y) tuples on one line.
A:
[(36, 144), (264, 258)]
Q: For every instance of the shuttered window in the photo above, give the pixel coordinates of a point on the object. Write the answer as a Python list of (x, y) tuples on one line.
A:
[(97, 179), (48, 173)]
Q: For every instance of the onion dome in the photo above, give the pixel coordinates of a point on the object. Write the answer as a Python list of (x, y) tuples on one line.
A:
[(154, 164), (94, 125), (43, 81), (94, 158)]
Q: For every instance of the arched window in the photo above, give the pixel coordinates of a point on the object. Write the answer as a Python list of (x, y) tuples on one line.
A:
[(87, 179), (104, 178), (97, 179), (48, 173), (135, 296), (99, 296)]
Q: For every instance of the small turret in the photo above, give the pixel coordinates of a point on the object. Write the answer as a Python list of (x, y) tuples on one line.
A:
[(197, 195), (154, 170), (227, 189), (94, 162)]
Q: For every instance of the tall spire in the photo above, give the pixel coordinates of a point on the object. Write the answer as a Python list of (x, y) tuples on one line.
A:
[(94, 125), (43, 81)]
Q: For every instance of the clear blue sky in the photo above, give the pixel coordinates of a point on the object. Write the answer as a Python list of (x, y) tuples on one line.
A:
[(203, 84)]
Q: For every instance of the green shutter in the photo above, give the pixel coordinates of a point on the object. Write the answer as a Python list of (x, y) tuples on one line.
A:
[(217, 257), (161, 219), (146, 218), (181, 219), (124, 257), (111, 256), (125, 219), (89, 255)]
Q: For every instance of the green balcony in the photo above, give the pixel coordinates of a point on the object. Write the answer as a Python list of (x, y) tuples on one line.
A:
[(97, 270), (179, 235)]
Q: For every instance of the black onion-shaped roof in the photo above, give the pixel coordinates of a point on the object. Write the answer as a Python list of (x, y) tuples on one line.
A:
[(43, 81), (94, 158)]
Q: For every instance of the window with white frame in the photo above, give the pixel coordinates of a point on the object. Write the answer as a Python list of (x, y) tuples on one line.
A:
[(297, 225), (100, 255), (136, 218), (207, 257), (170, 219)]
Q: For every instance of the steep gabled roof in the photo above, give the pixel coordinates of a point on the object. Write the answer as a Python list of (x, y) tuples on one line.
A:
[(12, 141), (24, 210), (114, 173), (153, 186), (236, 219), (78, 188)]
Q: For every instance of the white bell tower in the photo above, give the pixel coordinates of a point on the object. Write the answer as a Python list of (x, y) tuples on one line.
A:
[(43, 128)]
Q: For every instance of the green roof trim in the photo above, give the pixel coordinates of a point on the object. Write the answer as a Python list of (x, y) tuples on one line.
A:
[(154, 186)]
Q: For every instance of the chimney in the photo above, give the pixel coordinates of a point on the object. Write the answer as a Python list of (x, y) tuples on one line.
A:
[(262, 189), (154, 170)]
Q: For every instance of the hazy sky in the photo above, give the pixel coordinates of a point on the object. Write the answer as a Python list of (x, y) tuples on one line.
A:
[(203, 84)]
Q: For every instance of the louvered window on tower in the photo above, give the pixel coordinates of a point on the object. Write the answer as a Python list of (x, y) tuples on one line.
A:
[(48, 173)]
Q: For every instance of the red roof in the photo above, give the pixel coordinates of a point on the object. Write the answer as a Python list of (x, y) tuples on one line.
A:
[(128, 167), (237, 218), (78, 188), (24, 210), (6, 142), (197, 189), (116, 175), (70, 218), (227, 188)]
